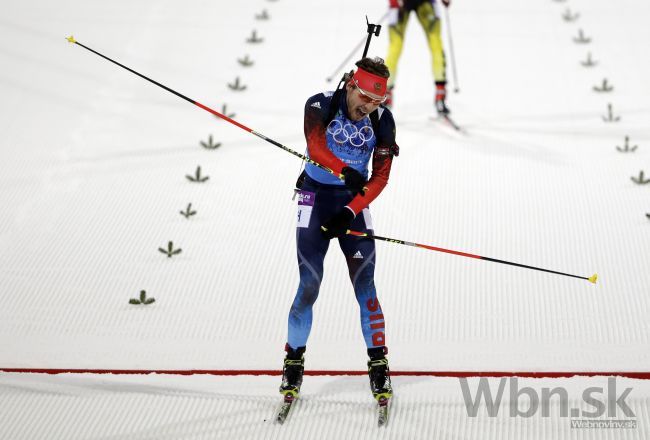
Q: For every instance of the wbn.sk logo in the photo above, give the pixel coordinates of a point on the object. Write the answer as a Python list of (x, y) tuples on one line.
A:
[(599, 400)]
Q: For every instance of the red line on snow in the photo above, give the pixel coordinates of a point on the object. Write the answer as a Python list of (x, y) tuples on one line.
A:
[(532, 374)]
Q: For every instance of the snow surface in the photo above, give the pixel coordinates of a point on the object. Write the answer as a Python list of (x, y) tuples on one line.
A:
[(93, 162)]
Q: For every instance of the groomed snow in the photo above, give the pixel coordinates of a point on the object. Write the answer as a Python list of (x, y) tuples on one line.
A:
[(92, 178)]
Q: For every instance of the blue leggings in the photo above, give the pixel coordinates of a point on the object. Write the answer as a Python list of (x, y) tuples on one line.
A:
[(359, 254)]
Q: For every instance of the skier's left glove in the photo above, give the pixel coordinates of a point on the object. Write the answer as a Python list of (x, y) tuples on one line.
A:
[(339, 224), (446, 3)]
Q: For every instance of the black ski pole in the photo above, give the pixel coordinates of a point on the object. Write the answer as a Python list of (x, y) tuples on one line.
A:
[(214, 112), (356, 48), (591, 279)]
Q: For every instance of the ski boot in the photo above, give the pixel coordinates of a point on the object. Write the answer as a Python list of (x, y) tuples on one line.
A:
[(380, 386), (379, 374), (441, 96), (294, 367)]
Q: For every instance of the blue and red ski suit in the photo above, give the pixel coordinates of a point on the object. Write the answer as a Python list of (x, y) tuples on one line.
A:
[(341, 143)]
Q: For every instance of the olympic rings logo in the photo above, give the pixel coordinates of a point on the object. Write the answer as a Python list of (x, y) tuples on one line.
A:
[(342, 133)]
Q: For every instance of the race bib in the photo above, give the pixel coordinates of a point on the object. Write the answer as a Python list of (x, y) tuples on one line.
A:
[(305, 206), (367, 218)]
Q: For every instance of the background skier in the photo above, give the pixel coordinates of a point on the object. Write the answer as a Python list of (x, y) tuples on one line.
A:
[(428, 15)]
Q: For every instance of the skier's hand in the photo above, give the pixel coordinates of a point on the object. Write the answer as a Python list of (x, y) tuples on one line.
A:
[(339, 224), (354, 181), (446, 3)]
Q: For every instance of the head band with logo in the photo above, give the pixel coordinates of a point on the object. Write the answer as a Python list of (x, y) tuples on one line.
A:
[(370, 82)]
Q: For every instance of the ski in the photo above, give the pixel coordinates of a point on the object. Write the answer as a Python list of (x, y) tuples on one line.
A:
[(382, 411), (447, 120), (451, 122), (283, 412)]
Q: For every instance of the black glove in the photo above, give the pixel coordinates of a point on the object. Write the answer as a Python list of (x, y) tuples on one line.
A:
[(339, 224), (354, 180)]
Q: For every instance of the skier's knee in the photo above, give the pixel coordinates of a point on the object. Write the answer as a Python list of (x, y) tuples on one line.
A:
[(309, 293)]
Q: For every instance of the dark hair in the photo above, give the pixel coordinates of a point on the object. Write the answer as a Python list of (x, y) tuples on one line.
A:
[(374, 65)]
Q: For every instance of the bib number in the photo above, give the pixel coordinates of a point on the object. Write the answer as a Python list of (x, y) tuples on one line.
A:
[(367, 219), (305, 206)]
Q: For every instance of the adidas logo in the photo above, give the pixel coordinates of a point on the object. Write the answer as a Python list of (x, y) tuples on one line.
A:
[(316, 104), (358, 255)]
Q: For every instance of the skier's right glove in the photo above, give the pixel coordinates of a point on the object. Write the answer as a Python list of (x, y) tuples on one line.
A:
[(354, 181), (338, 225)]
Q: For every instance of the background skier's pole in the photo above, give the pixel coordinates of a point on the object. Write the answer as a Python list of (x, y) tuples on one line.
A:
[(356, 48), (451, 51)]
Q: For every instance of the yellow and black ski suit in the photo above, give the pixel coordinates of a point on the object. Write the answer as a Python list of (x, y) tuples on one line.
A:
[(428, 15)]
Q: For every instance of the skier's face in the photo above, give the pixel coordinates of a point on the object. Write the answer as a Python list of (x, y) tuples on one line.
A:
[(361, 103)]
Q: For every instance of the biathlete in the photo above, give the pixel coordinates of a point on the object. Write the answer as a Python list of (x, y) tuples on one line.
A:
[(345, 131)]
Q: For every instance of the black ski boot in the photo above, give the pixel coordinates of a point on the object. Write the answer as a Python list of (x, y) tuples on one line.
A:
[(440, 101), (441, 107), (379, 374), (294, 366)]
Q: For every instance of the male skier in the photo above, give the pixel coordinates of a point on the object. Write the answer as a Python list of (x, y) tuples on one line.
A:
[(345, 131)]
